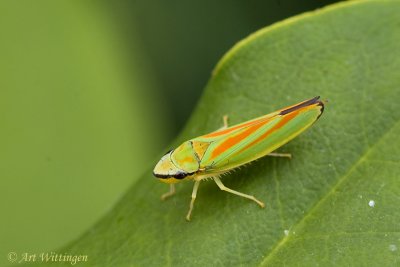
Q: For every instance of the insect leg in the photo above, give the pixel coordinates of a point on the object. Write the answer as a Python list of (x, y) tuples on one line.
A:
[(283, 155), (170, 193), (225, 121), (194, 193), (224, 188)]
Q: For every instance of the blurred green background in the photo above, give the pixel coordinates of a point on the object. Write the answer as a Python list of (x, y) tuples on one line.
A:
[(92, 92)]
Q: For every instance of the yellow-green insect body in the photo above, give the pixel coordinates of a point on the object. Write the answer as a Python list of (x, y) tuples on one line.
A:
[(219, 152)]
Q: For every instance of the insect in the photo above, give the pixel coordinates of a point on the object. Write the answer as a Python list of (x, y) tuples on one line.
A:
[(216, 153)]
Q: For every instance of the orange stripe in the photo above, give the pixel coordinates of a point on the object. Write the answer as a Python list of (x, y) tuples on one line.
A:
[(228, 130), (281, 123), (234, 140), (285, 119)]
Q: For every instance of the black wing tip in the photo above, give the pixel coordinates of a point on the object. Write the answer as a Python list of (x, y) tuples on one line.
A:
[(312, 101), (321, 103)]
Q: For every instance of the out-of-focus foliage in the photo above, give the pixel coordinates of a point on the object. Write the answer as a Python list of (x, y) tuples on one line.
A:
[(184, 39), (79, 121), (318, 209)]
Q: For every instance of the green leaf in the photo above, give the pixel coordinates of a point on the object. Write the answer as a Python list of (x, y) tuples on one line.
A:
[(317, 204)]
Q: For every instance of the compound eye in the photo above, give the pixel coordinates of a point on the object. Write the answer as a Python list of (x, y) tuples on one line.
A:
[(180, 175)]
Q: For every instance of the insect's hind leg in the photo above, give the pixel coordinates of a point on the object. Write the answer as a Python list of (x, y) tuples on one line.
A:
[(282, 155), (224, 188), (225, 122)]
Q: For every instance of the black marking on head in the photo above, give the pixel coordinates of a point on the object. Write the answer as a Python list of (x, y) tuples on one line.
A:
[(179, 175), (162, 176), (303, 104)]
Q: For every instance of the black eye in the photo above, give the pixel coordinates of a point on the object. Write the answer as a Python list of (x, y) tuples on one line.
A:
[(181, 175)]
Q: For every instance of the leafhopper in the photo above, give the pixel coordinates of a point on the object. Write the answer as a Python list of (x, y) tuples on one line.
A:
[(216, 153)]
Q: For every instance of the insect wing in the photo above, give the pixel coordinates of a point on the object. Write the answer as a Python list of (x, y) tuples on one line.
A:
[(243, 143)]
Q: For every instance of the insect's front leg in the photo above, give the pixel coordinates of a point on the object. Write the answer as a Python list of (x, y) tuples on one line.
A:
[(171, 192), (194, 193)]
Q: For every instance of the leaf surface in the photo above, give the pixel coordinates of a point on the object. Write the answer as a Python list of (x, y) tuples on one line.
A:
[(318, 205)]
